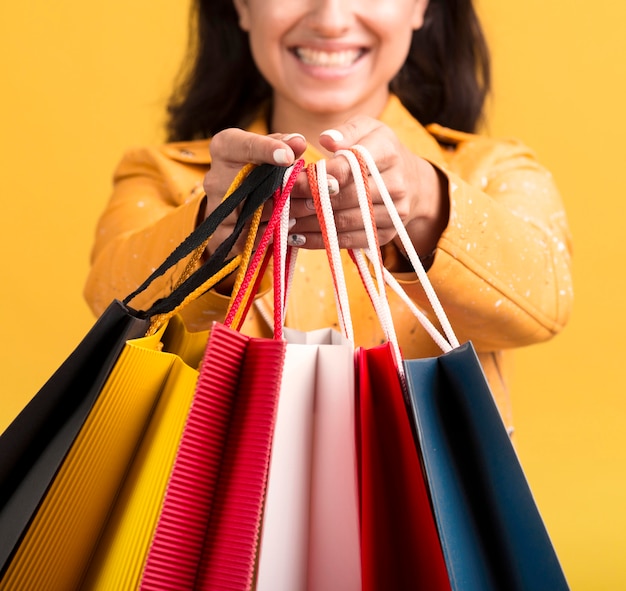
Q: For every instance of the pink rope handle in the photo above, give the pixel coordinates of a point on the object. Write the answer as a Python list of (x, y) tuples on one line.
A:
[(324, 210), (409, 248), (250, 283)]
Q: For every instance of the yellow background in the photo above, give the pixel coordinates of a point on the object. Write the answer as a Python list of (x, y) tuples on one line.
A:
[(81, 81)]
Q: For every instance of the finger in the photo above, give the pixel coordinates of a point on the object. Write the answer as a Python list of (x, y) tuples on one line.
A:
[(236, 147), (349, 133), (296, 141), (373, 135), (348, 225), (315, 241)]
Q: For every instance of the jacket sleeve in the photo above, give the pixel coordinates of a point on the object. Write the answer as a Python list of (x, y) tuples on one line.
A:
[(154, 205), (503, 265)]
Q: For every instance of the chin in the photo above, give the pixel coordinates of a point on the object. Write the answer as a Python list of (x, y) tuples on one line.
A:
[(333, 104)]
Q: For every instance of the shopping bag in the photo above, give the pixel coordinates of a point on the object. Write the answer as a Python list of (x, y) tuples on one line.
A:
[(58, 412), (491, 532), (35, 443), (117, 557), (207, 531), (310, 536), (57, 546), (399, 540)]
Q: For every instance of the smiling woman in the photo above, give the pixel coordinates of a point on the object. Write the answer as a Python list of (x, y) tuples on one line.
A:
[(269, 81), (329, 58)]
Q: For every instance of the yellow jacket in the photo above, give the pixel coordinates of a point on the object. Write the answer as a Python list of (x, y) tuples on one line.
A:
[(502, 268)]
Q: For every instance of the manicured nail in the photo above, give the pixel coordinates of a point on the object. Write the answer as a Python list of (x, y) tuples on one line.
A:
[(333, 134), (309, 204), (290, 136), (296, 240), (283, 156), (333, 185), (292, 223)]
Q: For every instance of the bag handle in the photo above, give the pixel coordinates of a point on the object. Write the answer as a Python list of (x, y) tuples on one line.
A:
[(414, 258), (325, 215), (373, 254), (361, 162), (242, 299), (240, 262), (318, 184), (285, 256), (254, 191)]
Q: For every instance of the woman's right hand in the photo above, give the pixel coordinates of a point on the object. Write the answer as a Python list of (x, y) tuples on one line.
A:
[(231, 150)]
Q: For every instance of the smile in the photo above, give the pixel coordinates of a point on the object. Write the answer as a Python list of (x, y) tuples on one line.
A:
[(328, 59)]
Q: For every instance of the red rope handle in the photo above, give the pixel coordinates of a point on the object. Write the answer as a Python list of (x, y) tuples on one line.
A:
[(258, 264), (311, 171)]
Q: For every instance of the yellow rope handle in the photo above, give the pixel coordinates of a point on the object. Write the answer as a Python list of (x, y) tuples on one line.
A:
[(197, 254), (159, 320), (240, 261), (246, 256)]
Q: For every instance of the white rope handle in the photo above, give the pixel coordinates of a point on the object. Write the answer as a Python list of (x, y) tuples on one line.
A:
[(281, 250), (379, 296), (368, 282), (334, 254), (428, 326), (409, 248)]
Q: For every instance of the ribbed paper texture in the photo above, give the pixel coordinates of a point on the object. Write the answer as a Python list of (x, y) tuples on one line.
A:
[(59, 542), (231, 544), (177, 545), (122, 551)]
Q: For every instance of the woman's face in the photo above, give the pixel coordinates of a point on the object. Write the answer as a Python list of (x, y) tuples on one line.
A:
[(330, 56)]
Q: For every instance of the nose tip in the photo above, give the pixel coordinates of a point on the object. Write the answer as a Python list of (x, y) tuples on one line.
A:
[(331, 17)]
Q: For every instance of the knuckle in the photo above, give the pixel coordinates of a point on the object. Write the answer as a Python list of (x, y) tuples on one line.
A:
[(348, 240), (341, 222), (219, 140), (249, 149)]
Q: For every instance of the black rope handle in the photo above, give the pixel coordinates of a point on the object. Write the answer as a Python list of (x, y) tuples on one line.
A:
[(262, 182), (257, 197)]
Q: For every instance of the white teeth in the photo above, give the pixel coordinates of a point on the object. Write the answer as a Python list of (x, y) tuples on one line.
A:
[(328, 59)]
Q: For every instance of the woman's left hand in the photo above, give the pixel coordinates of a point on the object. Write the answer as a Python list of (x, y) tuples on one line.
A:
[(418, 190)]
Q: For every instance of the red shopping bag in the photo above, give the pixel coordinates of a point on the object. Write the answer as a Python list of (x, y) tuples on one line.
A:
[(400, 546), (208, 531)]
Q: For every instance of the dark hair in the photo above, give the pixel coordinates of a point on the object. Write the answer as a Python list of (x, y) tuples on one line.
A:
[(444, 80)]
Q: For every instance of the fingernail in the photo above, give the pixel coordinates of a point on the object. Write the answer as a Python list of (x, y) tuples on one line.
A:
[(290, 136), (309, 204), (283, 156), (292, 223), (333, 134), (296, 240), (333, 185)]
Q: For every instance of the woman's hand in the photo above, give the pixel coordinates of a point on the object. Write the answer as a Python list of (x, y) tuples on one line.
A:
[(231, 150), (418, 190)]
